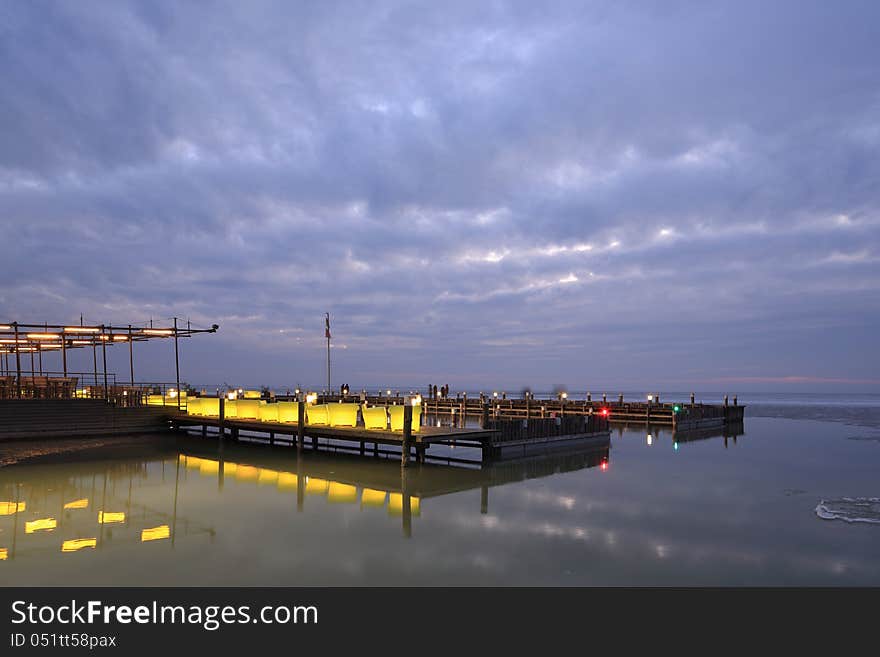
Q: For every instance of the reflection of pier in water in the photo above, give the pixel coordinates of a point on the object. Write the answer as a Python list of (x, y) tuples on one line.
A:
[(41, 512), (371, 482), (653, 434)]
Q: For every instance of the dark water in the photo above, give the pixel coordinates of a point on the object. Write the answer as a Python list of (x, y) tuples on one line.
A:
[(700, 512)]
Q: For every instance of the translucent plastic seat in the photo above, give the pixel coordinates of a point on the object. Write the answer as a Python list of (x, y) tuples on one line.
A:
[(342, 415), (317, 414), (268, 412), (396, 413), (375, 417)]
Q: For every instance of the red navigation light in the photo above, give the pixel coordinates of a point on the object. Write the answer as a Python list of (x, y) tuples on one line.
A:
[(605, 412), (604, 465)]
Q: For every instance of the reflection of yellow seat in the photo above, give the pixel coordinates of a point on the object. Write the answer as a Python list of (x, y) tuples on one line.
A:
[(208, 406), (267, 477), (75, 544), (287, 481), (230, 469), (342, 415), (209, 467), (318, 414), (376, 417), (155, 533), (230, 409), (395, 505), (341, 493), (315, 486), (268, 412), (373, 497), (247, 473), (396, 413), (248, 409), (288, 411), (8, 508)]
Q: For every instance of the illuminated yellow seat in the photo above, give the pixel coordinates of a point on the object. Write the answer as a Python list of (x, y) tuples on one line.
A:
[(396, 413), (268, 412), (194, 407), (318, 414), (209, 406), (155, 400), (251, 394), (230, 409), (376, 417), (342, 415), (288, 411), (248, 409)]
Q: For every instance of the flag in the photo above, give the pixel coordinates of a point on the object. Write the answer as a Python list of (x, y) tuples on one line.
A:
[(327, 326)]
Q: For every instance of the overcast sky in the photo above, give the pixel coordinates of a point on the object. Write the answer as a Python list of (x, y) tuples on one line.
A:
[(608, 195)]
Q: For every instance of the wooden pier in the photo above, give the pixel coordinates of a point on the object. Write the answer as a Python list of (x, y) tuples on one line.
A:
[(683, 416), (496, 437)]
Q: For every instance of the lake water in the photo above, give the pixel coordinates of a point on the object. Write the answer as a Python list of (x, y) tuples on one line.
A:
[(646, 511)]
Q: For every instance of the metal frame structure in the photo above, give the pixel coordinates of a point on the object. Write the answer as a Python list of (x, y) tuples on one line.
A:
[(35, 339)]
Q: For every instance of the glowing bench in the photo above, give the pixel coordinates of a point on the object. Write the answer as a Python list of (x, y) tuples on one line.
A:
[(230, 408), (396, 413), (208, 406), (251, 394), (268, 412), (375, 417), (194, 406), (318, 414), (248, 409), (342, 415), (288, 411)]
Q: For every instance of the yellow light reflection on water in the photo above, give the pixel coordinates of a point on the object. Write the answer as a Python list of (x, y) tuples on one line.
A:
[(267, 476), (77, 504), (4, 554), (75, 544), (315, 486), (341, 493), (247, 473), (395, 505), (155, 533), (8, 508), (43, 524), (373, 497), (108, 517), (287, 481)]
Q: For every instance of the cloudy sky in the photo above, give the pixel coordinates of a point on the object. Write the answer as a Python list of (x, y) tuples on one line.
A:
[(605, 195)]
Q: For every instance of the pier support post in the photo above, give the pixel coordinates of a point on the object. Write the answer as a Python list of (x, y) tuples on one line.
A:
[(407, 436), (300, 425), (221, 428), (484, 499), (484, 416)]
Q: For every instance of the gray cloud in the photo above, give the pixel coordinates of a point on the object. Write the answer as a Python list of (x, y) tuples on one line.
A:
[(614, 194)]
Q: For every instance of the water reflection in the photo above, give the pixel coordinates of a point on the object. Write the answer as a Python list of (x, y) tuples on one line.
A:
[(252, 514), (124, 492)]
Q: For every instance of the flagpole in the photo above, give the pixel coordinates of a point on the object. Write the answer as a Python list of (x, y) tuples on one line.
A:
[(327, 334)]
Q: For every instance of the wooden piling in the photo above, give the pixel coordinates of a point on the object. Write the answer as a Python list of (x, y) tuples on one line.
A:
[(221, 428), (407, 435), (300, 426)]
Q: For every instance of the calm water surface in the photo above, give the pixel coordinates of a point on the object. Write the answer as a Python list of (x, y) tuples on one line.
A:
[(648, 511)]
